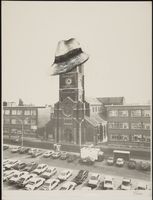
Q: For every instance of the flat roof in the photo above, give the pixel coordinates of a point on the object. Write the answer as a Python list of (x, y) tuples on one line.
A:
[(128, 105), (25, 107), (118, 151)]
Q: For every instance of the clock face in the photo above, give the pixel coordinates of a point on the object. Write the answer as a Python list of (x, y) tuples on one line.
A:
[(68, 81)]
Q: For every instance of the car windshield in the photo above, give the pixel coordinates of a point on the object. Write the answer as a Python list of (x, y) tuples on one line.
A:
[(93, 178), (108, 182), (63, 173), (31, 183), (40, 167), (126, 183), (63, 188), (46, 184), (48, 170), (22, 179), (141, 188), (16, 175)]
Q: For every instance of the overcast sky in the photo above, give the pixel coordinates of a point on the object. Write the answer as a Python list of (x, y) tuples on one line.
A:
[(117, 36)]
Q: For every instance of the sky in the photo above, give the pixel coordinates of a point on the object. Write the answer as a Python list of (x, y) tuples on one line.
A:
[(116, 35)]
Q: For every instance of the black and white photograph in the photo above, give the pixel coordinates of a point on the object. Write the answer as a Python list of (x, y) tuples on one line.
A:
[(76, 100)]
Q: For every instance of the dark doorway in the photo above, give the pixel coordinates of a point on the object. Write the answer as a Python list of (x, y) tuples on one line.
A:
[(68, 137)]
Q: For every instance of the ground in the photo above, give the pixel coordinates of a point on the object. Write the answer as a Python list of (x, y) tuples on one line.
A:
[(100, 167)]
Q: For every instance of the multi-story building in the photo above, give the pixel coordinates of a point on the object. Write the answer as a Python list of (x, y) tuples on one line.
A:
[(24, 118), (129, 124)]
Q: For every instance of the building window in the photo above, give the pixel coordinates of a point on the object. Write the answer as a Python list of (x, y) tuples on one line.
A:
[(6, 121), (33, 112), (136, 125), (146, 113), (13, 121), (7, 112), (123, 113), (5, 130), (13, 112), (146, 126), (146, 138), (113, 113), (33, 122), (136, 113), (19, 112), (137, 138), (119, 138), (26, 121), (117, 125), (27, 112)]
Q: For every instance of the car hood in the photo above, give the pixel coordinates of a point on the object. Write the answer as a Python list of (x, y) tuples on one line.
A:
[(61, 177), (124, 187), (29, 187), (14, 179), (93, 182), (108, 185), (46, 173)]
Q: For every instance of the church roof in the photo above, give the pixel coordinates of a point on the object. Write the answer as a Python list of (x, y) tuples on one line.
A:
[(111, 100), (95, 120), (92, 100)]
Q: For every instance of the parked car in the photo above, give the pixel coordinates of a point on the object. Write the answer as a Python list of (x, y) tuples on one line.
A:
[(64, 175), (81, 176), (15, 149), (16, 177), (132, 164), (86, 161), (56, 154), (8, 174), (50, 184), (108, 183), (31, 166), (11, 164), (145, 165), (48, 154), (120, 162), (20, 165), (49, 173), (71, 158), (24, 150), (40, 169), (110, 160), (126, 184), (36, 153), (68, 186), (5, 147), (94, 180), (31, 151), (25, 179), (141, 186), (64, 156), (34, 183)]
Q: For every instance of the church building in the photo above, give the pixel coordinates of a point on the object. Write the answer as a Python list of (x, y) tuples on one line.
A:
[(77, 121)]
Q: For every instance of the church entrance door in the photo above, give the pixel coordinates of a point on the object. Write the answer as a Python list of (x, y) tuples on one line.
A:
[(68, 137)]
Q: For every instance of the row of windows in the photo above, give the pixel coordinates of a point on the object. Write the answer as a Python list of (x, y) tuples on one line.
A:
[(125, 113), (20, 112), (125, 125), (16, 121), (134, 138), (16, 131), (96, 109)]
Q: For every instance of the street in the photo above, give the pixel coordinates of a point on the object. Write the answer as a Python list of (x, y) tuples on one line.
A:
[(100, 167)]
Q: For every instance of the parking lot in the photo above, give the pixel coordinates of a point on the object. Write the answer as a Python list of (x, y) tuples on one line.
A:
[(100, 167)]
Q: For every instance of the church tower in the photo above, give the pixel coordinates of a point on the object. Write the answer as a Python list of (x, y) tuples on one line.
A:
[(70, 110)]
